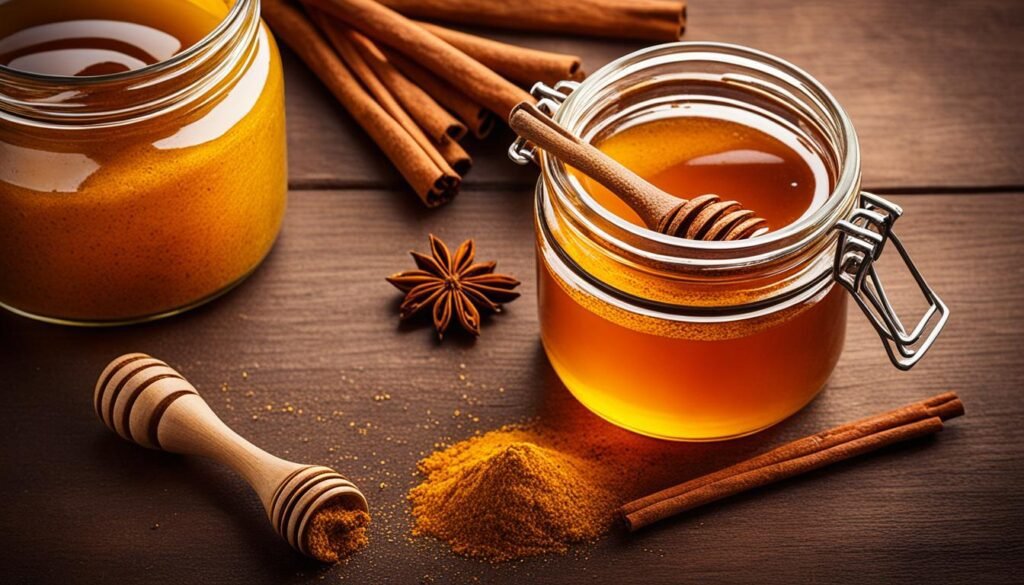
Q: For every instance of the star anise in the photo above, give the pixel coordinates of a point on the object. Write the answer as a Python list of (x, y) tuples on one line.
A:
[(453, 285)]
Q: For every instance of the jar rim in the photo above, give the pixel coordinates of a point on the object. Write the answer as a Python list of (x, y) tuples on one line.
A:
[(235, 13), (674, 250)]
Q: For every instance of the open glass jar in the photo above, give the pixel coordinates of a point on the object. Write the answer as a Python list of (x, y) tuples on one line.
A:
[(137, 194), (696, 340)]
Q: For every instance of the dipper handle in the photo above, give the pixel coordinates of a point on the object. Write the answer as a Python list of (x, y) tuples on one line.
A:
[(145, 401)]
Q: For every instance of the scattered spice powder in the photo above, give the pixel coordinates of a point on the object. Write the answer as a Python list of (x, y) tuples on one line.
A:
[(336, 532), (512, 493)]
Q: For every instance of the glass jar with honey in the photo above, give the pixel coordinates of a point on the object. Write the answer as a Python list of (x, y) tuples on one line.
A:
[(142, 155), (706, 340)]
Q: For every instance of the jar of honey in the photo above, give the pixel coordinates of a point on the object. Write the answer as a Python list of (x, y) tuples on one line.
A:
[(706, 340), (142, 155)]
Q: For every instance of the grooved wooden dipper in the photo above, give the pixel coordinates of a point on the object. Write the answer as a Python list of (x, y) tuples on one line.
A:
[(145, 401), (706, 217)]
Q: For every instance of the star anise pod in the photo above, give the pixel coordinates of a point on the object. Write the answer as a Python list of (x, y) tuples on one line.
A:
[(454, 286)]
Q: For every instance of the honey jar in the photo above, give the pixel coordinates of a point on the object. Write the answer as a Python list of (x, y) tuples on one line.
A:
[(707, 340), (142, 155)]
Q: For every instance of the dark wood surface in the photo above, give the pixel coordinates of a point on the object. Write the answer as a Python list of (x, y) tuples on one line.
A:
[(934, 89)]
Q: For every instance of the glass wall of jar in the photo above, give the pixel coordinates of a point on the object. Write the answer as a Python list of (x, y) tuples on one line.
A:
[(137, 194)]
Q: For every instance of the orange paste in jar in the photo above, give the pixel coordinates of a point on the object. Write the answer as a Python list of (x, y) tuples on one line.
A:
[(124, 221)]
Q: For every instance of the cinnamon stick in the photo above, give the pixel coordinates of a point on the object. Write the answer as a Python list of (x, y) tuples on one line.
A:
[(653, 20), (476, 117), (456, 156), (432, 117), (520, 64), (340, 36), (432, 184), (390, 28), (798, 457)]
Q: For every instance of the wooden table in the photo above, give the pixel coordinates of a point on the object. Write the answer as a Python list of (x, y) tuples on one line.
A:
[(307, 344)]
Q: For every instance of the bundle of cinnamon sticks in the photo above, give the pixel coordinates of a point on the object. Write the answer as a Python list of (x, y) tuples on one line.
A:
[(417, 88)]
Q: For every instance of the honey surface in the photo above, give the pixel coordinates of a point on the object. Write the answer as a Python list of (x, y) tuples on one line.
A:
[(136, 220), (754, 161), (100, 37)]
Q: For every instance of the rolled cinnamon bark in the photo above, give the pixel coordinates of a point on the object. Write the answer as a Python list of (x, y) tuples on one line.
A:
[(340, 36), (944, 406), (520, 64), (432, 117), (387, 27), (652, 20), (476, 117), (800, 456), (433, 185), (456, 156), (741, 482)]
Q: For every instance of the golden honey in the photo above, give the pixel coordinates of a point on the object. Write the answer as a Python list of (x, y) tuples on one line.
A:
[(678, 380), (683, 339), (147, 172)]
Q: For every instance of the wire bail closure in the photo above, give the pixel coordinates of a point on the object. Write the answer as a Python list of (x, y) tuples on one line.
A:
[(861, 241), (548, 100)]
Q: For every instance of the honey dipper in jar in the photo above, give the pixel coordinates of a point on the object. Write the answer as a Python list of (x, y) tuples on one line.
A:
[(705, 217), (320, 513)]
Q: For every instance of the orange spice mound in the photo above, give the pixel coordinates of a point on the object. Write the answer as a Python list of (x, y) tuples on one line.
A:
[(503, 496), (336, 532)]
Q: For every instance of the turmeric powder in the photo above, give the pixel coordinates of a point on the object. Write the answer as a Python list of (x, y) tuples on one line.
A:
[(511, 493), (336, 532)]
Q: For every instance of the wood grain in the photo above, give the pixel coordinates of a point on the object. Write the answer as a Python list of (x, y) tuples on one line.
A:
[(314, 336), (933, 89)]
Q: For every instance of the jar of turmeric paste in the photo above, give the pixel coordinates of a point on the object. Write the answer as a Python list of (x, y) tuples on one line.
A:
[(697, 340), (142, 155)]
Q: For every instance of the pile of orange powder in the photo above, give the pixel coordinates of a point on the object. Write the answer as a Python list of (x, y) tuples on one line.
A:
[(512, 493)]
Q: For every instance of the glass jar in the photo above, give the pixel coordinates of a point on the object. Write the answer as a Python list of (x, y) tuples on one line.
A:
[(136, 195), (695, 340)]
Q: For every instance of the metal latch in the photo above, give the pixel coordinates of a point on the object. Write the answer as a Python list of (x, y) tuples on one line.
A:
[(548, 100), (861, 241)]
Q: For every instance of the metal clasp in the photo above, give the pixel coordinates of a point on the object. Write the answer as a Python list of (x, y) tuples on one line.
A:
[(548, 100), (861, 241)]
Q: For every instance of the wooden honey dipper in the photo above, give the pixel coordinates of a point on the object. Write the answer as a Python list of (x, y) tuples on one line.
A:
[(706, 217), (145, 401)]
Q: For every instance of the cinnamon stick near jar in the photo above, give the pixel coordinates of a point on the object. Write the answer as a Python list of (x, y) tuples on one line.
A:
[(652, 20), (476, 117), (340, 37), (800, 456), (432, 117), (387, 27), (433, 185), (519, 64)]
